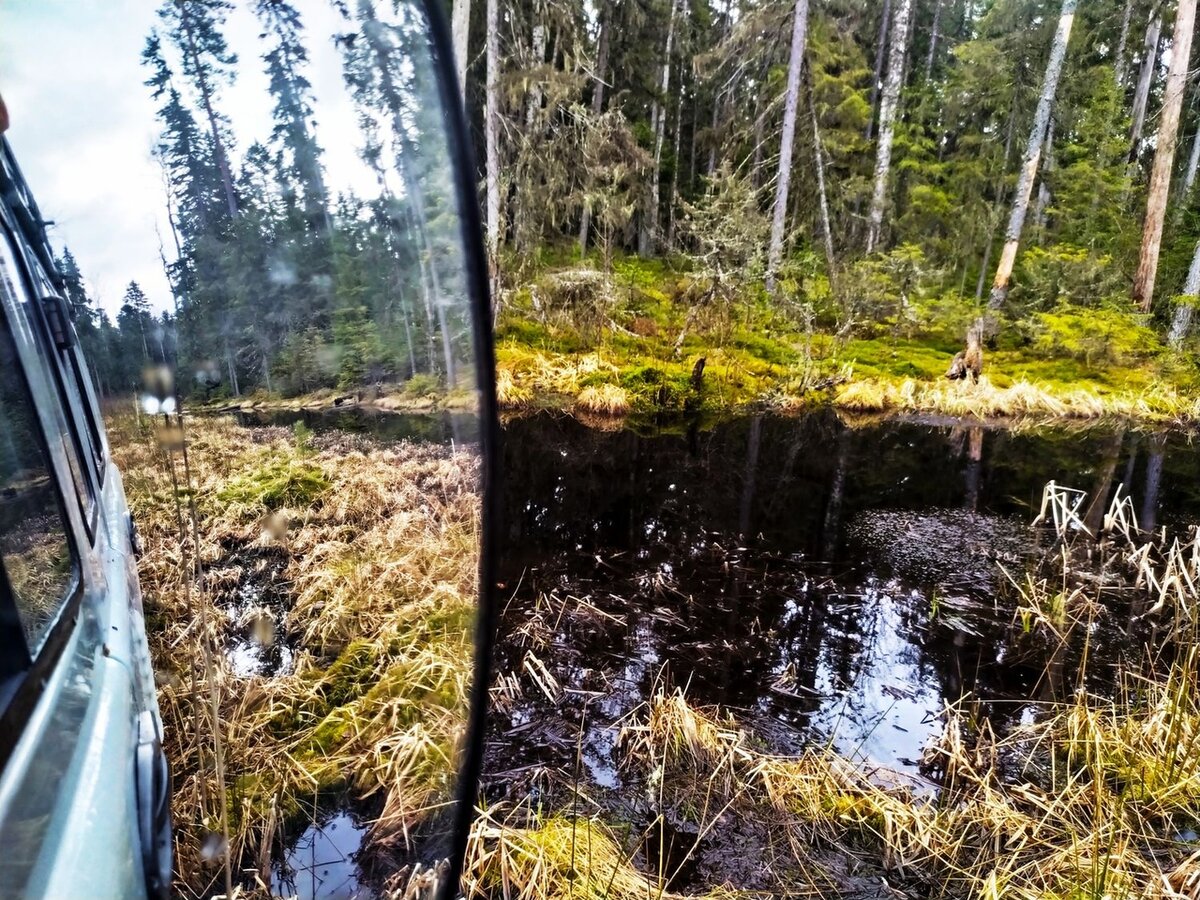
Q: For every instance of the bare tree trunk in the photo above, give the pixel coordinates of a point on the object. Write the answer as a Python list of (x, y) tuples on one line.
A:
[(711, 168), (538, 52), (461, 29), (1189, 175), (760, 115), (1122, 43), (1119, 61), (601, 72), (1141, 94), (1033, 155), (822, 198), (887, 121), (933, 39), (491, 128), (787, 138), (885, 20), (647, 234), (674, 201), (1164, 154), (1043, 197), (1181, 323)]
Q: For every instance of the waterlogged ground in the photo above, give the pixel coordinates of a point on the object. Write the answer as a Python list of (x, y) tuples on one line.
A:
[(339, 588), (826, 584)]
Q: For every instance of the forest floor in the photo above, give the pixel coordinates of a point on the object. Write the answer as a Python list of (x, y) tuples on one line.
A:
[(628, 343)]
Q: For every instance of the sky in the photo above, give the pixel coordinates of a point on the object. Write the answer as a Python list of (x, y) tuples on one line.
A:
[(83, 126)]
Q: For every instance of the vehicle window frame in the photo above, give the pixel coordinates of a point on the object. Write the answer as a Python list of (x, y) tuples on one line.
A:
[(89, 505), (82, 374), (24, 673)]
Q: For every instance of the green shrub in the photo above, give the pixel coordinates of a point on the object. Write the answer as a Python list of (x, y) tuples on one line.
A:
[(1064, 273), (1093, 336), (422, 385)]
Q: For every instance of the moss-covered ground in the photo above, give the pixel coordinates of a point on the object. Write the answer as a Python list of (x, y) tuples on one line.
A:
[(627, 342)]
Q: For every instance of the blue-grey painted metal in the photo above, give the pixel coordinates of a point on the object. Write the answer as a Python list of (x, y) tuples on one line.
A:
[(69, 794)]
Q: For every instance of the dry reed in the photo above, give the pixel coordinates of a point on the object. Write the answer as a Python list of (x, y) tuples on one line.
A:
[(370, 556)]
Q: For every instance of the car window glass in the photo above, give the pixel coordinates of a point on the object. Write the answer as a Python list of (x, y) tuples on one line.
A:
[(11, 284), (33, 540)]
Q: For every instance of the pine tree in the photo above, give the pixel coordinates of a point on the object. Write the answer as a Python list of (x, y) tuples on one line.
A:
[(194, 27), (300, 171)]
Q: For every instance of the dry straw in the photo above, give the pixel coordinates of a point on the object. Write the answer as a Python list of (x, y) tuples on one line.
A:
[(369, 554)]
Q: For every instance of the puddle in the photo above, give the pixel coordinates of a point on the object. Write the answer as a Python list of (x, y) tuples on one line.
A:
[(255, 608), (322, 863), (825, 585)]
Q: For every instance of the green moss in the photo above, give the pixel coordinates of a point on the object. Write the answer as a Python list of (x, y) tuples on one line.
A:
[(281, 481), (900, 358)]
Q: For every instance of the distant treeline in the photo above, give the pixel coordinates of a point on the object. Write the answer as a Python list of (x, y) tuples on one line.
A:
[(276, 283)]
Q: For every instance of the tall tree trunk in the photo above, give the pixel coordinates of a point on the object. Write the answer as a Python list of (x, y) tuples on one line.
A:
[(1164, 154), (538, 53), (885, 20), (787, 138), (674, 201), (822, 198), (1189, 174), (1043, 196), (1141, 94), (1181, 323), (933, 39), (1033, 155), (230, 366), (887, 121), (491, 127), (1122, 43), (711, 168), (461, 30), (601, 72), (647, 234)]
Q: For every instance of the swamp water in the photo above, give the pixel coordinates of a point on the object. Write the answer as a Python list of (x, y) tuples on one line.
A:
[(824, 584)]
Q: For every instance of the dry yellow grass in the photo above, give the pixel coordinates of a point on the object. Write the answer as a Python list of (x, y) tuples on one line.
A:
[(374, 549), (1091, 820), (524, 376), (604, 400), (1021, 398)]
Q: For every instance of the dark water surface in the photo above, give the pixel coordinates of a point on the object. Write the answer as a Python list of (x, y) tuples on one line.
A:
[(823, 583)]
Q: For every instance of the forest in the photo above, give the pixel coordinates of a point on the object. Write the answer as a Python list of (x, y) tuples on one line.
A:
[(277, 285), (752, 644), (822, 199)]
